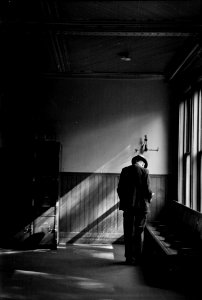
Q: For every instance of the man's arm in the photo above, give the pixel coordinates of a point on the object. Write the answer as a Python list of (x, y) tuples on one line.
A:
[(148, 191), (120, 189)]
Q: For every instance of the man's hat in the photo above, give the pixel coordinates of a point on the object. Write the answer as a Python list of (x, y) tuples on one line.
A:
[(139, 158)]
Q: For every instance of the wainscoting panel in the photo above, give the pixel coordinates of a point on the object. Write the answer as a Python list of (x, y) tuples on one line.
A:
[(88, 207)]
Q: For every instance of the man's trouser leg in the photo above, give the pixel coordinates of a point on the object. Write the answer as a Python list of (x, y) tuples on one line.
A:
[(128, 227), (138, 237)]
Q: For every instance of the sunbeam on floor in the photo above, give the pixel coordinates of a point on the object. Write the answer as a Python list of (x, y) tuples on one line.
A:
[(76, 272)]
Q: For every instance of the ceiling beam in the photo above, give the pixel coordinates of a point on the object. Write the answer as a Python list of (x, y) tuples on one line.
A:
[(114, 28), (135, 76), (57, 53), (187, 61), (129, 34)]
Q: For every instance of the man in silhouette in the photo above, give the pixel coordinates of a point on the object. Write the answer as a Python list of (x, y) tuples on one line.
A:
[(135, 196)]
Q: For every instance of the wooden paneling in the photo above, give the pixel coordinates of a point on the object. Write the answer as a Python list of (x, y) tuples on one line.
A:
[(159, 185), (88, 207)]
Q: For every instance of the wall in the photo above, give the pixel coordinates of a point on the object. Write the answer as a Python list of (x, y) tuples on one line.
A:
[(100, 122), (89, 207)]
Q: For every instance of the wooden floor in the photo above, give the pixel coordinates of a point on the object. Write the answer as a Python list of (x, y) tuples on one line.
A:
[(88, 272)]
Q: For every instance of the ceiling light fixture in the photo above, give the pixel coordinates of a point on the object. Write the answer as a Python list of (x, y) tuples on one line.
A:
[(124, 56)]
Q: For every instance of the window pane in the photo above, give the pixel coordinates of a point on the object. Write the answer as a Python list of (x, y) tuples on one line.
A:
[(190, 152), (180, 152), (194, 144), (199, 202), (187, 181), (187, 126), (200, 122)]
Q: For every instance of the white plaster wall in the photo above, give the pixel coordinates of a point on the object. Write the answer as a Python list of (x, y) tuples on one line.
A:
[(101, 122)]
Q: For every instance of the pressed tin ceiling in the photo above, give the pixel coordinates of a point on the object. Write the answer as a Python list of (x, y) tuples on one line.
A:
[(87, 38)]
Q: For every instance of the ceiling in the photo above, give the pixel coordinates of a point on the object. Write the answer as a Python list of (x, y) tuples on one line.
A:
[(102, 39)]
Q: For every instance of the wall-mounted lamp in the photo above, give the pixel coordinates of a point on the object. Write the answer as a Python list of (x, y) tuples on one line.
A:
[(144, 147)]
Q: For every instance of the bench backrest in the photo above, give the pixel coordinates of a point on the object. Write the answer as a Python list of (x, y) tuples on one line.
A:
[(185, 218)]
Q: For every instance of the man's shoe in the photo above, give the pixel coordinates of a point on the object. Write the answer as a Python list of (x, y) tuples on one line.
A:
[(132, 261)]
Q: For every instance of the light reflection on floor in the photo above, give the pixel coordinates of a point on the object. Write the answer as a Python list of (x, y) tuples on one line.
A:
[(83, 272), (104, 246), (82, 282), (10, 251), (22, 283), (95, 250), (103, 255)]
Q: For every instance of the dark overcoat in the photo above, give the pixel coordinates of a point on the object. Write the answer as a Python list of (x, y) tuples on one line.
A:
[(134, 189)]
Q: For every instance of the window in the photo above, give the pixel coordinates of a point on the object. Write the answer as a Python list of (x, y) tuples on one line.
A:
[(190, 152)]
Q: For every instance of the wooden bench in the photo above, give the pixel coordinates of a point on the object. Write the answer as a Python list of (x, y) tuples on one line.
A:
[(176, 236)]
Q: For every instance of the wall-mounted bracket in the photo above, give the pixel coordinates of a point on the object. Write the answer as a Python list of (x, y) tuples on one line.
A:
[(144, 147)]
